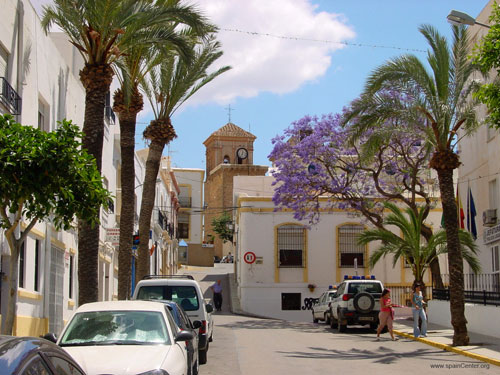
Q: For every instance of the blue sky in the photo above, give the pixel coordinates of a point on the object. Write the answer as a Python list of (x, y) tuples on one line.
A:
[(383, 23), (275, 81)]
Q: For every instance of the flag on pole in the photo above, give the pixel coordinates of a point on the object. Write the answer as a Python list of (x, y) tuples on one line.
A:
[(460, 211), (471, 215)]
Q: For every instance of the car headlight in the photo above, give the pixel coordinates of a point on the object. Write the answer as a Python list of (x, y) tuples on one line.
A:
[(155, 372)]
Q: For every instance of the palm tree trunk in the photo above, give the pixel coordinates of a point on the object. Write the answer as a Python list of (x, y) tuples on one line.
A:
[(434, 265), (455, 260), (96, 79), (147, 205), (127, 212), (127, 115)]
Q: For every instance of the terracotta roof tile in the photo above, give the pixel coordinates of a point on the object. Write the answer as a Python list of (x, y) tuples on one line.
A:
[(232, 130)]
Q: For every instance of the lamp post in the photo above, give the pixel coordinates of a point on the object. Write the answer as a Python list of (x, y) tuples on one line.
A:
[(460, 18)]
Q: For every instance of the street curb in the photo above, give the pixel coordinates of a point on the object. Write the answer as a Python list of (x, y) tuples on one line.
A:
[(449, 348)]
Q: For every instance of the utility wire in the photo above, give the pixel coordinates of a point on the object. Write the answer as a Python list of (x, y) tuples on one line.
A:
[(255, 33)]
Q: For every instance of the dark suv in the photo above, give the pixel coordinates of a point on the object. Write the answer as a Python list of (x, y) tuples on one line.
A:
[(357, 302)]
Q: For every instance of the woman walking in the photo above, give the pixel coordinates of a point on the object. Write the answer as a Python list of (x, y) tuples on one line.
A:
[(386, 315), (418, 312)]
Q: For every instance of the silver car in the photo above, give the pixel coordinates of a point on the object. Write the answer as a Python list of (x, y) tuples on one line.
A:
[(320, 310)]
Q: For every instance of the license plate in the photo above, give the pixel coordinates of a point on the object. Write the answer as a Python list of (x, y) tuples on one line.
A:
[(366, 318)]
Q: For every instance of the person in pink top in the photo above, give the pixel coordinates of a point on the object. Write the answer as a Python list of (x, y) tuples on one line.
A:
[(386, 314)]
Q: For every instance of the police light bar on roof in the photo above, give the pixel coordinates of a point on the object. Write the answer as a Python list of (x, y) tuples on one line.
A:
[(363, 277)]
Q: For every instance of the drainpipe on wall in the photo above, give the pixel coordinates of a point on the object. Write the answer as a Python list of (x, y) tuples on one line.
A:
[(20, 45)]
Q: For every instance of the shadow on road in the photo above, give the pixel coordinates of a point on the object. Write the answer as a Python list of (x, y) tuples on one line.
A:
[(278, 324), (383, 354)]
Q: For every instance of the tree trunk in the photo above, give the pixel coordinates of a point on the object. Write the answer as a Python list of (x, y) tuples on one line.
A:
[(127, 115), (127, 212), (455, 260), (435, 269), (147, 205), (96, 79), (11, 303)]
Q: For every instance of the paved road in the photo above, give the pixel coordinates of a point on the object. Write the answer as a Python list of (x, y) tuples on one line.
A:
[(247, 345)]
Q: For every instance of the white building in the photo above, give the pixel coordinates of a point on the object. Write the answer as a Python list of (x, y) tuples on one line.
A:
[(277, 257), (163, 241), (191, 215), (479, 177), (40, 85)]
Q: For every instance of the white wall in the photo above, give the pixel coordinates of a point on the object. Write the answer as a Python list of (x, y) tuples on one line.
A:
[(482, 319), (38, 71), (192, 178), (256, 222)]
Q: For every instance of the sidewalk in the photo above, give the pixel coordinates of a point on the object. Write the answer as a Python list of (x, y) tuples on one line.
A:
[(481, 347)]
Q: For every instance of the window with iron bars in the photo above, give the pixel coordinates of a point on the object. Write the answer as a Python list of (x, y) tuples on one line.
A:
[(349, 250), (291, 241)]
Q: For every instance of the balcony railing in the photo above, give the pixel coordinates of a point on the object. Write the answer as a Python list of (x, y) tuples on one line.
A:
[(10, 98), (481, 289), (110, 115)]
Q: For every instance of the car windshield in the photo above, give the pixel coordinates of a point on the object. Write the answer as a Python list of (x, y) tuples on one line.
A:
[(184, 295), (355, 288), (116, 328)]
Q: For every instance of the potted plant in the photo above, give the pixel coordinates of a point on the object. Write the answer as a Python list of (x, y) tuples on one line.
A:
[(311, 287)]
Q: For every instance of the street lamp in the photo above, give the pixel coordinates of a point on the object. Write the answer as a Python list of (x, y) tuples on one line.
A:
[(460, 18)]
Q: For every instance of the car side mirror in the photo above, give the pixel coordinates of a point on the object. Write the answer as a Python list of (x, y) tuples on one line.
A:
[(50, 336), (209, 308), (184, 336), (196, 324)]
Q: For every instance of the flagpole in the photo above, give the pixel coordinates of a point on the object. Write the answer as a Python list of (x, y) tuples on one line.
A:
[(468, 205)]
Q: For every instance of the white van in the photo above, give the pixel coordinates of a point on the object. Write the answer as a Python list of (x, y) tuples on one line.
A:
[(186, 291)]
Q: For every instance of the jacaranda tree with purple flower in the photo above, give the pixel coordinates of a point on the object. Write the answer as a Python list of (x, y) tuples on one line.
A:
[(316, 167)]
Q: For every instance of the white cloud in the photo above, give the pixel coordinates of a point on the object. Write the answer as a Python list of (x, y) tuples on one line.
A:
[(265, 63)]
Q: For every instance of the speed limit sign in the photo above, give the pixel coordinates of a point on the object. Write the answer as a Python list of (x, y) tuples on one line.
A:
[(249, 257)]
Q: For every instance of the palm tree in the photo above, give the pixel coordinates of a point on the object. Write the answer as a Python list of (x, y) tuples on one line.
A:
[(103, 31), (411, 245), (168, 86), (442, 98)]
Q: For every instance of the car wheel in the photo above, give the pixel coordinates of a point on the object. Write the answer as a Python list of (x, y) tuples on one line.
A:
[(314, 319), (363, 302), (333, 322), (196, 368), (342, 328), (202, 356)]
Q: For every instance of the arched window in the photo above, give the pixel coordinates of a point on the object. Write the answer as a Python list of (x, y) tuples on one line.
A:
[(291, 246), (349, 250)]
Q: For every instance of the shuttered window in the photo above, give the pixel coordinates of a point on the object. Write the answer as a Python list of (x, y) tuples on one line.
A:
[(4, 57), (56, 290)]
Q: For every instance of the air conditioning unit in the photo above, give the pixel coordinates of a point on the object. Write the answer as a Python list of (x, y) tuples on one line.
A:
[(489, 217)]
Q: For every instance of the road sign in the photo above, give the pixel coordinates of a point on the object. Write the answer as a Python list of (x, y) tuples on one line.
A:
[(249, 257), (113, 236)]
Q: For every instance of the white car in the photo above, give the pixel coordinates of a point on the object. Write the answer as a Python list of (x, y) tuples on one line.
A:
[(321, 309), (186, 291), (126, 337)]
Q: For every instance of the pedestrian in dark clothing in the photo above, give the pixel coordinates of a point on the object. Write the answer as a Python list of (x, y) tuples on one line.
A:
[(217, 289)]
